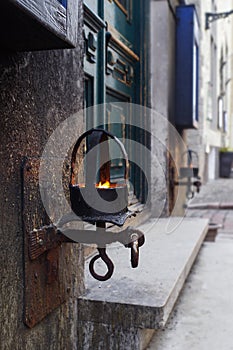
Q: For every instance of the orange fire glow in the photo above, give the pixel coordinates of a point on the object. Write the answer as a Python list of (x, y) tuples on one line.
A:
[(106, 184)]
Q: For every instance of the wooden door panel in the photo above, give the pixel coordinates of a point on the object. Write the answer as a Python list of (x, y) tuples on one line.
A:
[(116, 73)]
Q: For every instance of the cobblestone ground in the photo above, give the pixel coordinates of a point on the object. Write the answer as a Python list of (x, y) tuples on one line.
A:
[(215, 202), (220, 190)]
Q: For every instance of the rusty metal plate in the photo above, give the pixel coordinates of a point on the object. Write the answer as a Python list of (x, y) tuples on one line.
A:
[(47, 281)]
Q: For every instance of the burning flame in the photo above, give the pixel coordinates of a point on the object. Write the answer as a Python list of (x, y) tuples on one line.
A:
[(106, 184)]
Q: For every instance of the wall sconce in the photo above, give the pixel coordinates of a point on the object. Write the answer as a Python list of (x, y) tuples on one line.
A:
[(97, 183), (47, 284), (97, 200), (211, 17), (189, 171), (85, 195)]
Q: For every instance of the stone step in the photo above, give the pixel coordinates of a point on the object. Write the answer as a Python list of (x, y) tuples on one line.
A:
[(143, 298)]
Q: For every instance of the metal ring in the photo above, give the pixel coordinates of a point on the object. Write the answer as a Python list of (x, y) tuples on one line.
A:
[(190, 194), (101, 132), (135, 234), (134, 254), (102, 254)]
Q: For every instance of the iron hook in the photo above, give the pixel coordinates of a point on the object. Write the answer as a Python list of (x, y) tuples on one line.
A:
[(134, 254), (134, 250), (102, 254)]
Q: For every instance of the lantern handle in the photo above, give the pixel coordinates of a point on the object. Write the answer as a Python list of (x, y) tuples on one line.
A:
[(108, 134), (189, 152)]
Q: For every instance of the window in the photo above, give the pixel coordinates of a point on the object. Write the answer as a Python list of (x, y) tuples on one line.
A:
[(63, 2), (187, 67), (220, 113), (225, 122), (213, 80)]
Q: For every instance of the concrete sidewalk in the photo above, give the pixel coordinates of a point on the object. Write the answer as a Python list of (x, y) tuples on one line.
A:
[(202, 318)]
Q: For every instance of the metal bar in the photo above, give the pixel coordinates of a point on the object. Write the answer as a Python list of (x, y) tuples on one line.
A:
[(211, 17), (49, 237)]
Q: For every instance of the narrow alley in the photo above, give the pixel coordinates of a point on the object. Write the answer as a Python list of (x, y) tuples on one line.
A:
[(202, 317)]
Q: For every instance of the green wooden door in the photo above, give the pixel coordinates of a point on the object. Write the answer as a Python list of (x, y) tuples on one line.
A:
[(115, 68)]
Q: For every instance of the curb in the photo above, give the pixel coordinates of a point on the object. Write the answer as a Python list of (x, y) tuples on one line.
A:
[(211, 205)]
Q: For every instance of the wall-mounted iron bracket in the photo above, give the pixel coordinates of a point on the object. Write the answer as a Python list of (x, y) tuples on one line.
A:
[(47, 260), (50, 237), (211, 17), (189, 183), (47, 276), (48, 265)]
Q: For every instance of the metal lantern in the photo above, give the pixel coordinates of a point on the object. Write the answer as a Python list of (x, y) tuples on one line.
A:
[(189, 172), (97, 196), (96, 181), (191, 169)]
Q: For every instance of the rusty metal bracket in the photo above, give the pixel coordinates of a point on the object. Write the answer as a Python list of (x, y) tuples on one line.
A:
[(189, 182), (50, 237), (47, 280)]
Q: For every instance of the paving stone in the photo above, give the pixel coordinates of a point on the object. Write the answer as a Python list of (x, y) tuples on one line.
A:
[(228, 225), (214, 202), (218, 216), (202, 318), (219, 190)]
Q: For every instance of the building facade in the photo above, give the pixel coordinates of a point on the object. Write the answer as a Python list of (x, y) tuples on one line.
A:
[(215, 128), (63, 59)]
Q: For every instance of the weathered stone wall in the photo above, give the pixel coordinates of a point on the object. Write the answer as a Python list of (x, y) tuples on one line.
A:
[(38, 91), (163, 27)]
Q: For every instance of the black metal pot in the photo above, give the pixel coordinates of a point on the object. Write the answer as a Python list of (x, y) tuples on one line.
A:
[(93, 203)]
